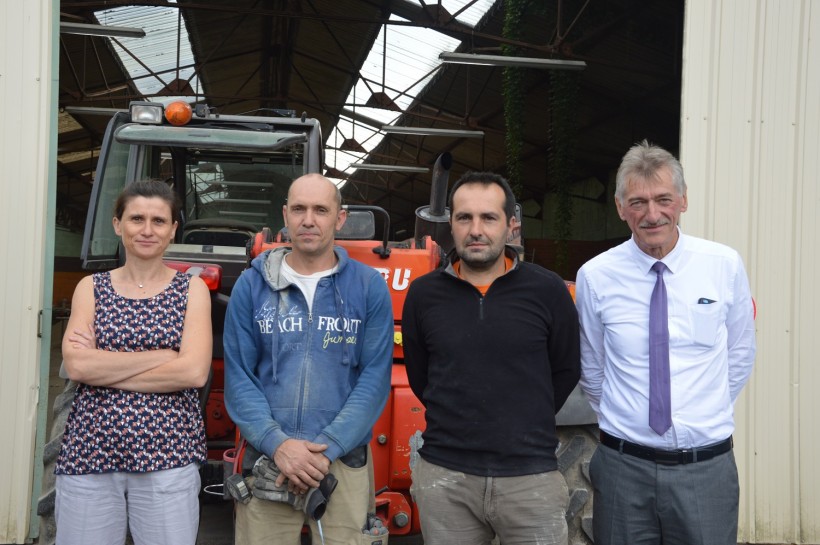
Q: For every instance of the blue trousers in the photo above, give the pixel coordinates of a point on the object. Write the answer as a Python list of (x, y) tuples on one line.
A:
[(638, 502)]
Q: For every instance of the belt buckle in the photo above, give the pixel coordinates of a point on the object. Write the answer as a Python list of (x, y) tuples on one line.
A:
[(671, 458)]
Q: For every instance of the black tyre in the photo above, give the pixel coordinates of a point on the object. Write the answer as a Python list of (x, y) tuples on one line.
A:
[(45, 505), (578, 443)]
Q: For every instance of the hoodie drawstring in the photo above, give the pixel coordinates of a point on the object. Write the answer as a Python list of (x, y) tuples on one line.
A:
[(340, 311)]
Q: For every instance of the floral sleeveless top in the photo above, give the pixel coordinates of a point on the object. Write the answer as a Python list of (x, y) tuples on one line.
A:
[(117, 430)]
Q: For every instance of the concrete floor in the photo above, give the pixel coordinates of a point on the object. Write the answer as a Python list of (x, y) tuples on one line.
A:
[(216, 523)]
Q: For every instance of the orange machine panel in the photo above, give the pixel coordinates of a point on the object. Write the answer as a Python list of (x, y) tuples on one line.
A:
[(402, 417), (407, 421), (380, 446), (399, 268)]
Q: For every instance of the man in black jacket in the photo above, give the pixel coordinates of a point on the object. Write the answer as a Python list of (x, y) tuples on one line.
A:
[(491, 347)]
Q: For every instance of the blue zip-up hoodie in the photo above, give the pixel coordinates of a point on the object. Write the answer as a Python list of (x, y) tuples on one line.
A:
[(320, 374)]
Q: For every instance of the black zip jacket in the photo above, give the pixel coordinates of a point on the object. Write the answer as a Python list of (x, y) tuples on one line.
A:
[(491, 371)]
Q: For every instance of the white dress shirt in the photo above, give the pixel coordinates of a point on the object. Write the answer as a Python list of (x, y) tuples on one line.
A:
[(711, 340)]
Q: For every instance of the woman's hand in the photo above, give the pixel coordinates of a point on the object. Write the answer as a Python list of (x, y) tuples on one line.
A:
[(83, 340)]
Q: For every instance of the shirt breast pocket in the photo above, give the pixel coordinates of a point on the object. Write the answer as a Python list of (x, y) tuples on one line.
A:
[(705, 321)]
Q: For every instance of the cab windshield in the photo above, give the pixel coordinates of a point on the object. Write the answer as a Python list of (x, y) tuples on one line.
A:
[(222, 190)]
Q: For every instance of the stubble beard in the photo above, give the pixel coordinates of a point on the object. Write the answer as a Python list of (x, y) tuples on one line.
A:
[(480, 263)]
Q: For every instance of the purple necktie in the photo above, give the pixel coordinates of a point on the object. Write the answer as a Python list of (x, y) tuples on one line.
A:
[(660, 410)]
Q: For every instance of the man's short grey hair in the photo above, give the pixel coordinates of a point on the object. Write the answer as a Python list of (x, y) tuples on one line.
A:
[(643, 161)]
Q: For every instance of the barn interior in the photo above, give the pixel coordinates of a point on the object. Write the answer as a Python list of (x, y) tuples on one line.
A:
[(591, 79)]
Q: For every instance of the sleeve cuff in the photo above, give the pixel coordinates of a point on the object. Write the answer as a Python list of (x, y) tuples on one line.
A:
[(271, 442), (334, 450)]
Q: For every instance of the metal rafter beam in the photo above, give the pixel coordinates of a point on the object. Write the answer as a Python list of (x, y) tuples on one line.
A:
[(279, 36), (417, 18)]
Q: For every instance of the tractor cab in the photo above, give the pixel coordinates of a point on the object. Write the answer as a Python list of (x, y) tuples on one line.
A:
[(231, 174)]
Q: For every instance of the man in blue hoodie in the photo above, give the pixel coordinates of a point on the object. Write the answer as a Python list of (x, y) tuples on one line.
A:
[(308, 348)]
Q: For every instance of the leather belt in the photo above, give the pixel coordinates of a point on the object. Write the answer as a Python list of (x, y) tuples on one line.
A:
[(667, 457)]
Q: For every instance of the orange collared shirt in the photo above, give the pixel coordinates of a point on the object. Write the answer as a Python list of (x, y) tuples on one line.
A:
[(508, 262)]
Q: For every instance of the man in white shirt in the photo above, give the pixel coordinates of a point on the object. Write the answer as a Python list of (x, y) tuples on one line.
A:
[(669, 477)]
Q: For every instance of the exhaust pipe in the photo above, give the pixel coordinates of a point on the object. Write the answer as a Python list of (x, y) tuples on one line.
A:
[(434, 220)]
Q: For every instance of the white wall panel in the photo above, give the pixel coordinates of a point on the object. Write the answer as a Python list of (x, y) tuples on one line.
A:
[(25, 114), (750, 146), (807, 294)]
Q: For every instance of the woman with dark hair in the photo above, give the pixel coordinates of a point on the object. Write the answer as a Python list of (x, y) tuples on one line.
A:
[(139, 343)]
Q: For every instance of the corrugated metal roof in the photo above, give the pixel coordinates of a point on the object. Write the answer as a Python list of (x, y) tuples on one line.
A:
[(401, 63), (162, 62), (308, 56)]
